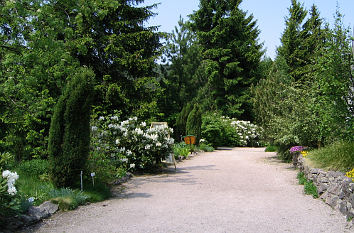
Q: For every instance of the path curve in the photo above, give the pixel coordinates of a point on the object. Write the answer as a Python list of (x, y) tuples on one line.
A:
[(238, 190)]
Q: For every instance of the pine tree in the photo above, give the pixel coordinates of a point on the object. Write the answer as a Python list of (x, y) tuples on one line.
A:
[(231, 54)]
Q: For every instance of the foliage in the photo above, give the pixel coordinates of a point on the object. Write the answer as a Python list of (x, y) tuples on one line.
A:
[(338, 156), (194, 123), (34, 187), (7, 160), (67, 199), (231, 55), (130, 144), (180, 78), (307, 96), (309, 187), (271, 148), (205, 147), (181, 150), (181, 121), (99, 192), (224, 131), (34, 167), (42, 43), (69, 137), (333, 86), (218, 132), (9, 202)]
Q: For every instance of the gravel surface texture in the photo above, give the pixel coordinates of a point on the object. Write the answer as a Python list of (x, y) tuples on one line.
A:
[(236, 190)]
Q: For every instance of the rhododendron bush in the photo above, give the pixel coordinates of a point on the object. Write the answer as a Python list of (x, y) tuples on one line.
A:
[(130, 144)]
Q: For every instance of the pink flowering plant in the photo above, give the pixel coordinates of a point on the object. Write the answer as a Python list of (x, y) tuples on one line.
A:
[(296, 149)]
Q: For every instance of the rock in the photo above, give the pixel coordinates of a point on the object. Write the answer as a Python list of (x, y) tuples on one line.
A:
[(351, 199), (322, 187), (334, 189), (335, 174), (314, 171), (43, 211), (332, 201), (351, 187), (343, 208), (323, 179)]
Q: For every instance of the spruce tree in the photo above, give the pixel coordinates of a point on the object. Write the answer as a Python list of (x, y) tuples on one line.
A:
[(69, 136), (292, 40), (231, 54)]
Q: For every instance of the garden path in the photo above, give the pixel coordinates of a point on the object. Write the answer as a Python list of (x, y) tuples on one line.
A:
[(238, 190)]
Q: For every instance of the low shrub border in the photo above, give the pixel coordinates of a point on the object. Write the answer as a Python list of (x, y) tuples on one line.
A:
[(334, 188)]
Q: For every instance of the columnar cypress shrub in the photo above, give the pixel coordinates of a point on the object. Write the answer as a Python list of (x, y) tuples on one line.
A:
[(194, 122), (69, 136), (181, 120)]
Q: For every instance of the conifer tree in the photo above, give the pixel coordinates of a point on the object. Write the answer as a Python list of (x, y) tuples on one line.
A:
[(231, 54), (292, 40), (69, 137), (194, 122)]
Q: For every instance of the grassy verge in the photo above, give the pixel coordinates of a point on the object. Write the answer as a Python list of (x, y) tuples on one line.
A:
[(338, 156), (309, 187), (34, 183)]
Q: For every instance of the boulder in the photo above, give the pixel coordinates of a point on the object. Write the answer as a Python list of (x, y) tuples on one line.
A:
[(43, 211)]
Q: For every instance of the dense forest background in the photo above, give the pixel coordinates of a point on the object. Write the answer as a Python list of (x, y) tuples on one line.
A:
[(212, 63)]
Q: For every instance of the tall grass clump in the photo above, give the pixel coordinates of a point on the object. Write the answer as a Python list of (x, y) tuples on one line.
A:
[(338, 156)]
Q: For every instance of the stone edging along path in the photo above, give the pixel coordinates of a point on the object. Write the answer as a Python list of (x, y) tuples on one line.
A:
[(334, 188)]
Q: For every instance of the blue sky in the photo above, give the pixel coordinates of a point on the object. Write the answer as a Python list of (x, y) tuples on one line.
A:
[(270, 15)]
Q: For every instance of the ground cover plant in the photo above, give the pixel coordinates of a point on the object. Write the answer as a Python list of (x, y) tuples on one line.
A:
[(309, 187)]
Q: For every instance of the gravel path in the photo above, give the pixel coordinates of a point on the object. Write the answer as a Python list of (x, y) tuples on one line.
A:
[(238, 190)]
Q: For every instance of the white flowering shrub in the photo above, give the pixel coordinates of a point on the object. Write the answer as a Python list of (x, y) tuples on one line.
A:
[(248, 133), (9, 204), (131, 144), (224, 131)]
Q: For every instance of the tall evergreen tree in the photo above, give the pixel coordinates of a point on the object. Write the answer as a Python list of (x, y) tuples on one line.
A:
[(69, 139), (231, 54), (179, 79), (42, 43)]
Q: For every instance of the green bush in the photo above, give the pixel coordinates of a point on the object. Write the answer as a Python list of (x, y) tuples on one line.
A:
[(205, 147), (181, 150), (271, 148), (7, 161), (337, 156), (35, 167), (218, 131), (69, 136)]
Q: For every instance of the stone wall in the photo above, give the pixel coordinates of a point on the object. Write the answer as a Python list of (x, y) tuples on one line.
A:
[(334, 188)]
